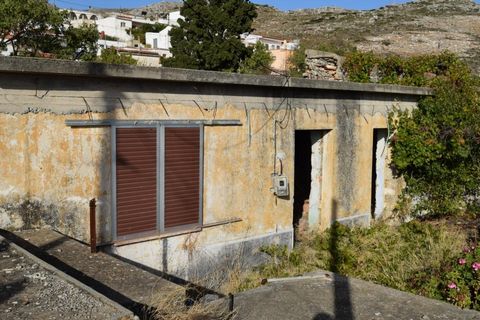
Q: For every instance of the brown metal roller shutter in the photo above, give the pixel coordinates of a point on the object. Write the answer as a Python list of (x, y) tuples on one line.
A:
[(182, 176), (136, 176)]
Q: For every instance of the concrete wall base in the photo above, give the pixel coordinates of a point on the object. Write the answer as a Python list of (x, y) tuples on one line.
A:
[(209, 265), (362, 220)]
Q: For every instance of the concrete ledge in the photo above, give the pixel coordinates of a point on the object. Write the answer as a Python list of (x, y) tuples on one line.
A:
[(125, 313), (99, 70)]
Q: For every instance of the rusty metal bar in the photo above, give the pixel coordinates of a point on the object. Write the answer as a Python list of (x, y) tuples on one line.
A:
[(93, 226), (230, 302)]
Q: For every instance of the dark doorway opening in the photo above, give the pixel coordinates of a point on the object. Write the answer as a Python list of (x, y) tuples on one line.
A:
[(303, 174)]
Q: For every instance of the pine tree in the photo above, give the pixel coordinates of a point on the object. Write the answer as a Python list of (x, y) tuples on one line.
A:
[(209, 36)]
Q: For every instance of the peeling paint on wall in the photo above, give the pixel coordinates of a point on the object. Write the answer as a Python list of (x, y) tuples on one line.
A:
[(50, 171)]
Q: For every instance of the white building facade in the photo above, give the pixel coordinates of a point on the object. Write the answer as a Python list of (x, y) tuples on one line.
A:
[(159, 40), (116, 31)]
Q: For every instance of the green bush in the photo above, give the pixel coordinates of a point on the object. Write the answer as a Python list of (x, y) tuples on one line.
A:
[(461, 285), (111, 56), (359, 65), (296, 62), (436, 146), (392, 69)]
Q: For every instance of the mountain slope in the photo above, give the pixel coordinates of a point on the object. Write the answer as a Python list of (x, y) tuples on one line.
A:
[(417, 27), (425, 26)]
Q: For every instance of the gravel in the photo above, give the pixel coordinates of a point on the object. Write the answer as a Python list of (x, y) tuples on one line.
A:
[(28, 291)]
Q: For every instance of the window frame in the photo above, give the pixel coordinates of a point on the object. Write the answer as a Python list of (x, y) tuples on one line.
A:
[(160, 230)]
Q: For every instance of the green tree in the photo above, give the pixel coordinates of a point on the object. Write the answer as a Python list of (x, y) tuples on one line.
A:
[(111, 56), (80, 43), (209, 36), (259, 62), (139, 32), (436, 147), (296, 62), (30, 26)]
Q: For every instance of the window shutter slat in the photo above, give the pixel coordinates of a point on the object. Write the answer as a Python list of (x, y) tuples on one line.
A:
[(136, 182), (182, 176)]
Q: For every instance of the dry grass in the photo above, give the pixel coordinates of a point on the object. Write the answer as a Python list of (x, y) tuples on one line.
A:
[(174, 305), (408, 257), (394, 256), (221, 274)]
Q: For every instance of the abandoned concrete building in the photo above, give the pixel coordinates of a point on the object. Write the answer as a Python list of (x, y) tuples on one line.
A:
[(188, 166)]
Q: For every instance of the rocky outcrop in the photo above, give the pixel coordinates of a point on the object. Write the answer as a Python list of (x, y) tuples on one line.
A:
[(323, 65)]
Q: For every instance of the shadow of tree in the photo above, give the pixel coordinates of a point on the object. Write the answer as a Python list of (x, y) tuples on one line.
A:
[(342, 294)]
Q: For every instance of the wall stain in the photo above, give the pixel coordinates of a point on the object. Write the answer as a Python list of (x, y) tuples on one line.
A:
[(347, 146)]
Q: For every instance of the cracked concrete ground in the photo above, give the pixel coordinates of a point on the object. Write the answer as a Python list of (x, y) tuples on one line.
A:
[(326, 296)]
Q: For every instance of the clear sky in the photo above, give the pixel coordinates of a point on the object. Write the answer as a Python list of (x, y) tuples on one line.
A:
[(281, 4)]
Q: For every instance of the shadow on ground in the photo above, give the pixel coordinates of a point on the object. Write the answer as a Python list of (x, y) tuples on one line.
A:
[(342, 292)]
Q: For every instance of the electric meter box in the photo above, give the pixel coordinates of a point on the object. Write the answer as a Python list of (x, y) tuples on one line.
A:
[(280, 186)]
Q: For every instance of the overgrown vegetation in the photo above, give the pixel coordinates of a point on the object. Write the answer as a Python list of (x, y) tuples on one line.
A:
[(419, 70), (417, 257), (436, 147)]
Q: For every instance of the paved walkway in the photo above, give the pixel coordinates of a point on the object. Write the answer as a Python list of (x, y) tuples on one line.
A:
[(129, 284), (325, 296), (31, 291)]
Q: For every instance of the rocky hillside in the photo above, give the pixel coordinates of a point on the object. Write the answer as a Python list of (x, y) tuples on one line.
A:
[(423, 26), (154, 10), (157, 9)]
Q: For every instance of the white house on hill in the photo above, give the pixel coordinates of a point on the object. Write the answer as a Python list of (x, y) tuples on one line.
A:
[(160, 40)]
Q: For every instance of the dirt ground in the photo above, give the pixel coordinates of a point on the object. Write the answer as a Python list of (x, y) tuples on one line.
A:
[(28, 291)]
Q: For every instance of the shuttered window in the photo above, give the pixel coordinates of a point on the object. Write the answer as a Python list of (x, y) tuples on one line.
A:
[(136, 167), (158, 179), (182, 176)]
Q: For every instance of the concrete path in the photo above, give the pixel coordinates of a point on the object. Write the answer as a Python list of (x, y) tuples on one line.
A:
[(31, 289), (325, 296), (129, 284)]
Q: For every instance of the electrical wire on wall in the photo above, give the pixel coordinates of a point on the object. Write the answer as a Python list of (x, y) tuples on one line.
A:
[(284, 122)]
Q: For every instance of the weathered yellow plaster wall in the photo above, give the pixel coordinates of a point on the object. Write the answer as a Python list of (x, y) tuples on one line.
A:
[(50, 171)]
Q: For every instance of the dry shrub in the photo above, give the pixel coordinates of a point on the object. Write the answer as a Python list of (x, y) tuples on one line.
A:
[(175, 305)]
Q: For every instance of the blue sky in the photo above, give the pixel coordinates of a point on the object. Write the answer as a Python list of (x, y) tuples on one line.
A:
[(281, 4)]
